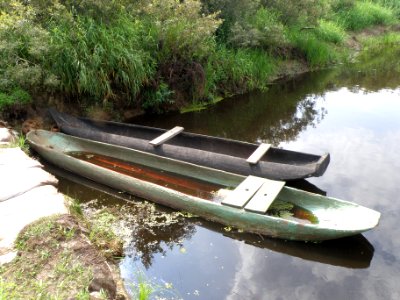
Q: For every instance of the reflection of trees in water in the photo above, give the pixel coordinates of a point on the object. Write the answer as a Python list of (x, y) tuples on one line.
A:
[(286, 109), (153, 230), (277, 115), (287, 129)]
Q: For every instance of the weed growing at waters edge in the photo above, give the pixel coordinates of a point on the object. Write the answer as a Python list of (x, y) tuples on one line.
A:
[(102, 235), (145, 288)]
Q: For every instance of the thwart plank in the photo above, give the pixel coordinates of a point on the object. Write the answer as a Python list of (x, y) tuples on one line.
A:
[(166, 136), (263, 199), (258, 153), (243, 192)]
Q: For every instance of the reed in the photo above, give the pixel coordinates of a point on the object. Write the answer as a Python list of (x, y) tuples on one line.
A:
[(238, 70), (98, 60)]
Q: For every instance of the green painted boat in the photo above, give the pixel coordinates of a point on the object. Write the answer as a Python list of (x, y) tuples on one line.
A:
[(251, 203)]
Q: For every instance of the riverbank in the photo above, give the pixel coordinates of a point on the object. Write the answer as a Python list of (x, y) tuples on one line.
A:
[(155, 56), (48, 249)]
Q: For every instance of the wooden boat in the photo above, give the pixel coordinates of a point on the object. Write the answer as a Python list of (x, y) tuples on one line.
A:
[(354, 252), (219, 153), (250, 203)]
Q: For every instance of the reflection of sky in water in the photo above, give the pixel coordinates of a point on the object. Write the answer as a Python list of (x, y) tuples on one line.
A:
[(362, 133)]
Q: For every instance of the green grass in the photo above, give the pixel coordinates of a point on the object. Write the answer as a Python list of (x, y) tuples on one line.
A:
[(145, 289), (44, 269), (100, 61), (240, 70), (16, 96), (330, 32), (317, 52), (365, 14), (393, 5)]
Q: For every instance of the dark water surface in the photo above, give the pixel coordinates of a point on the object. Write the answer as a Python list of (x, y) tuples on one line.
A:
[(352, 114)]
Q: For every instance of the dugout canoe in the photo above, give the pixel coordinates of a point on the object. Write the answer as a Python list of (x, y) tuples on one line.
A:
[(251, 203), (214, 152)]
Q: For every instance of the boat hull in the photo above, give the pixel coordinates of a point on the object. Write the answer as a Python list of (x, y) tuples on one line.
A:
[(219, 153), (53, 146)]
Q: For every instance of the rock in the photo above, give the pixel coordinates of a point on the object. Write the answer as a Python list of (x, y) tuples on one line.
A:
[(20, 211), (7, 136)]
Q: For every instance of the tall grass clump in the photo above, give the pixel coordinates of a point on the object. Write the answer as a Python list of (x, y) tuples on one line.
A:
[(100, 60), (240, 70), (393, 5), (365, 14), (330, 32), (316, 51)]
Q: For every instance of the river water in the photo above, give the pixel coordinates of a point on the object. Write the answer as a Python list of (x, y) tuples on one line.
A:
[(354, 114)]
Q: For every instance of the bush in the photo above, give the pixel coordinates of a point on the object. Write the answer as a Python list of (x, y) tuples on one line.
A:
[(183, 32), (295, 12), (24, 46), (16, 97), (262, 29)]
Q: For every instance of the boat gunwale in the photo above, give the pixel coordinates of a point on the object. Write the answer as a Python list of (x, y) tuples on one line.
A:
[(187, 198), (304, 166)]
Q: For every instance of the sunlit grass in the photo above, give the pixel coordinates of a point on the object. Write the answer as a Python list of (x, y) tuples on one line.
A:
[(238, 70), (316, 51), (365, 14), (330, 31)]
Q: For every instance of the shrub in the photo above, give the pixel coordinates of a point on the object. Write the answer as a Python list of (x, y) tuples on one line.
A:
[(182, 30), (295, 12), (24, 46), (155, 100), (15, 96), (262, 29)]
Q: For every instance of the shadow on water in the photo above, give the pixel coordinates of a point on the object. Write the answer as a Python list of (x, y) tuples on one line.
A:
[(150, 238)]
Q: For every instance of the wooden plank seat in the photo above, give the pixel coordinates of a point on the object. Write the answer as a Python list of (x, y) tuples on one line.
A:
[(243, 192), (254, 194), (264, 197), (255, 157), (166, 136)]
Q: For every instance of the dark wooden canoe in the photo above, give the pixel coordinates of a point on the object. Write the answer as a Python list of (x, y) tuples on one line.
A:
[(251, 203), (219, 153)]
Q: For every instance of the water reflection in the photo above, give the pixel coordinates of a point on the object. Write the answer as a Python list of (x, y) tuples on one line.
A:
[(251, 118)]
